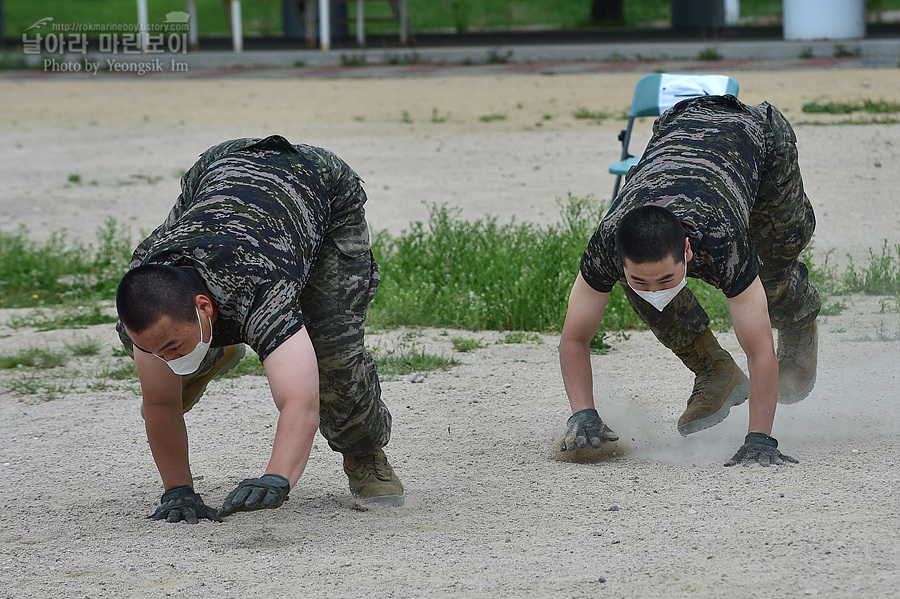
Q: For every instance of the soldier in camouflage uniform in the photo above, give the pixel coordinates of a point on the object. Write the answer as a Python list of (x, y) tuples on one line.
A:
[(268, 246), (717, 196)]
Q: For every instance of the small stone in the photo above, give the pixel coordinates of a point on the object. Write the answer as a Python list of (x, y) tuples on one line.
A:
[(597, 533), (417, 378), (877, 164), (614, 507), (601, 579), (812, 591)]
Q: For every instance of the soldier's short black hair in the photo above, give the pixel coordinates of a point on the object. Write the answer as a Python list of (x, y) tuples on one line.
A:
[(149, 292), (650, 234)]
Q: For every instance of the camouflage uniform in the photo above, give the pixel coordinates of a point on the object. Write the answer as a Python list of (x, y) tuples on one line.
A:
[(729, 172), (278, 235)]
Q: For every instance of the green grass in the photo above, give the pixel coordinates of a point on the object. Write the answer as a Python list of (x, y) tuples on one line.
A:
[(867, 106), (123, 372), (33, 357), (466, 344), (447, 273), (407, 359), (880, 277), (58, 270), (484, 275), (66, 316), (436, 117), (33, 388), (493, 116), (591, 115), (85, 346), (876, 120), (860, 112), (480, 274), (709, 54), (425, 15)]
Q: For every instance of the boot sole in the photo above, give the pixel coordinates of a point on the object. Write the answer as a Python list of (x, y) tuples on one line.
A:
[(737, 396), (380, 500), (792, 399)]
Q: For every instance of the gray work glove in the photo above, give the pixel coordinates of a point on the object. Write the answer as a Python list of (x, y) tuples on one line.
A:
[(584, 426), (266, 492), (761, 449), (181, 503)]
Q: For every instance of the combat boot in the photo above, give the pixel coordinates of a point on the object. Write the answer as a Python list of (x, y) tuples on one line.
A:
[(719, 384), (372, 480), (797, 357)]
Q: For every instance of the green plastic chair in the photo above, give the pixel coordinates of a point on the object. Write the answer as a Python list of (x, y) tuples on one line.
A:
[(654, 94)]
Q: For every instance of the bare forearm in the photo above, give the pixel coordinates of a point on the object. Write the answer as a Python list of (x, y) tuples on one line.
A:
[(575, 363), (297, 426), (763, 392), (168, 440)]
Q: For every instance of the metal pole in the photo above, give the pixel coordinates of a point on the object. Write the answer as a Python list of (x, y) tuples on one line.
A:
[(325, 24), (142, 24), (237, 35)]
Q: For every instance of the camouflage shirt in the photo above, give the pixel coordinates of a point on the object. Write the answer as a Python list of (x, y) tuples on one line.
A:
[(702, 163), (250, 219)]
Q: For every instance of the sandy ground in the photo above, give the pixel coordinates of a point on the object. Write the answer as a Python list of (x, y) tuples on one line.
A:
[(491, 510)]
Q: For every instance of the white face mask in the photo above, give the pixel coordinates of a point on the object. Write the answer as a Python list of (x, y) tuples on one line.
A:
[(660, 299), (190, 363)]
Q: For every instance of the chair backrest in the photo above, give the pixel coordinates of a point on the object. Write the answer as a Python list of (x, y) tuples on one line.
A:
[(654, 94)]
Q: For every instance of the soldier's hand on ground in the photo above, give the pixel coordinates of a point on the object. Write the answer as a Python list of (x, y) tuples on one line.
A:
[(761, 449), (181, 503), (583, 427), (267, 492)]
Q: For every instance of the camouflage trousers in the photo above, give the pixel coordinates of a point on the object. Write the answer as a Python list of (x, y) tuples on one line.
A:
[(352, 416), (781, 225)]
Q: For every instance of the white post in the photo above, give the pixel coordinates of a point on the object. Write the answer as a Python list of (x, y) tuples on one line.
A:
[(237, 34), (324, 25), (732, 12), (142, 24), (814, 19)]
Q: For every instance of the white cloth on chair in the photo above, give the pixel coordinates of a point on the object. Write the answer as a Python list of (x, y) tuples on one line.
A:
[(674, 88)]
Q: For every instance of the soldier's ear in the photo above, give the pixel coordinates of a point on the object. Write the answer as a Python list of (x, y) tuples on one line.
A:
[(205, 305), (688, 252)]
